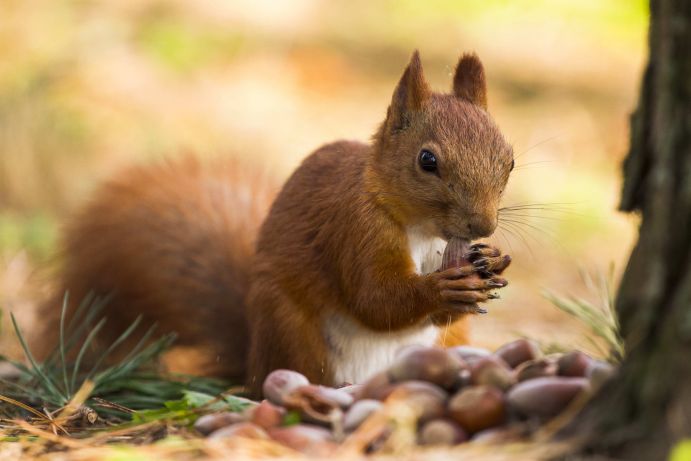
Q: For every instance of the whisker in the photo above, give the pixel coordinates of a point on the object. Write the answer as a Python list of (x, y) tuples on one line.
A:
[(551, 236), (532, 216), (514, 232), (526, 236), (531, 164), (552, 138), (508, 242), (542, 208), (540, 204), (532, 226)]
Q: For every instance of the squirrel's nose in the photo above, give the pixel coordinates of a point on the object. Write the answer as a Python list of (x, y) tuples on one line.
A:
[(481, 225)]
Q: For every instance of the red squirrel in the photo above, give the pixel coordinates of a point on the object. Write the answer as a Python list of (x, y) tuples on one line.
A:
[(343, 270)]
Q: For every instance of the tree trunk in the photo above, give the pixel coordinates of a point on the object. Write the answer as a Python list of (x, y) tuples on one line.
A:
[(647, 408)]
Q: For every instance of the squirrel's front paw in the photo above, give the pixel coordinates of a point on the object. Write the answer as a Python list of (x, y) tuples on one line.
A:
[(460, 290), (487, 260)]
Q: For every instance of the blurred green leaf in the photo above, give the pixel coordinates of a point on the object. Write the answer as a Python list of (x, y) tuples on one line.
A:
[(681, 451), (182, 46), (35, 233)]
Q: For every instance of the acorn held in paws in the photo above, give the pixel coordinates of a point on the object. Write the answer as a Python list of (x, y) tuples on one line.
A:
[(455, 254), (479, 261), (460, 252)]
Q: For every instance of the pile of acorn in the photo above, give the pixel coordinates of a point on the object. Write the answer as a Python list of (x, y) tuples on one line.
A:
[(458, 394)]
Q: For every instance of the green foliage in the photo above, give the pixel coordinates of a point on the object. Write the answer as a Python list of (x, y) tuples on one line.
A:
[(599, 317), (186, 409), (132, 383), (291, 418)]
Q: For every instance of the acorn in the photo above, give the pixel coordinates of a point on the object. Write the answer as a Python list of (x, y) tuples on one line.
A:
[(431, 364), (304, 438), (377, 387), (352, 389), (599, 372), (428, 399), (573, 363), (502, 434), (336, 396), (441, 432), (403, 350), (267, 415), (280, 383), (492, 371), (247, 430), (478, 407), (469, 354), (536, 368), (318, 404), (208, 423), (518, 351), (455, 253), (545, 397), (464, 378), (359, 412)]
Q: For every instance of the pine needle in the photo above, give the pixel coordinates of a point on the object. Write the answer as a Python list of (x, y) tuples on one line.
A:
[(600, 318), (37, 369), (131, 384), (24, 406)]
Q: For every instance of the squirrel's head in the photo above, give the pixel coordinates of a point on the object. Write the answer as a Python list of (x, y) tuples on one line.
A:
[(439, 159)]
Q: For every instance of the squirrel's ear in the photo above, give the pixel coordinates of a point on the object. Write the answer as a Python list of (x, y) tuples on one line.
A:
[(469, 81), (410, 94)]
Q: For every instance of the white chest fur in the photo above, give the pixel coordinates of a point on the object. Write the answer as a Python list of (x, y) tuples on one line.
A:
[(356, 352), (425, 250)]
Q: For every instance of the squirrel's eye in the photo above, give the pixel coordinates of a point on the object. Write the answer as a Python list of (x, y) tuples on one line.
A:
[(428, 161)]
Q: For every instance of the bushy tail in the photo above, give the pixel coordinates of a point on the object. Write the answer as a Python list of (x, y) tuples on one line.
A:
[(172, 243)]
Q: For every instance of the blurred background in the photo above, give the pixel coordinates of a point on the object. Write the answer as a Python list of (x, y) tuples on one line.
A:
[(89, 86)]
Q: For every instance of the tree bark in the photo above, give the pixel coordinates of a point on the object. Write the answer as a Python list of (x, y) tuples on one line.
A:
[(647, 407)]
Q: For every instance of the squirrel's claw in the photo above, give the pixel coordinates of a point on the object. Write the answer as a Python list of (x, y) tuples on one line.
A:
[(495, 265)]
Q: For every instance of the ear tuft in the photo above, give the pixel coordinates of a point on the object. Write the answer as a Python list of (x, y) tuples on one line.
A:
[(410, 94), (469, 81)]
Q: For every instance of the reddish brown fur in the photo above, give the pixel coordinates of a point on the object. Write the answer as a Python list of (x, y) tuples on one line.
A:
[(335, 239), (469, 81), (171, 242), (174, 242)]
